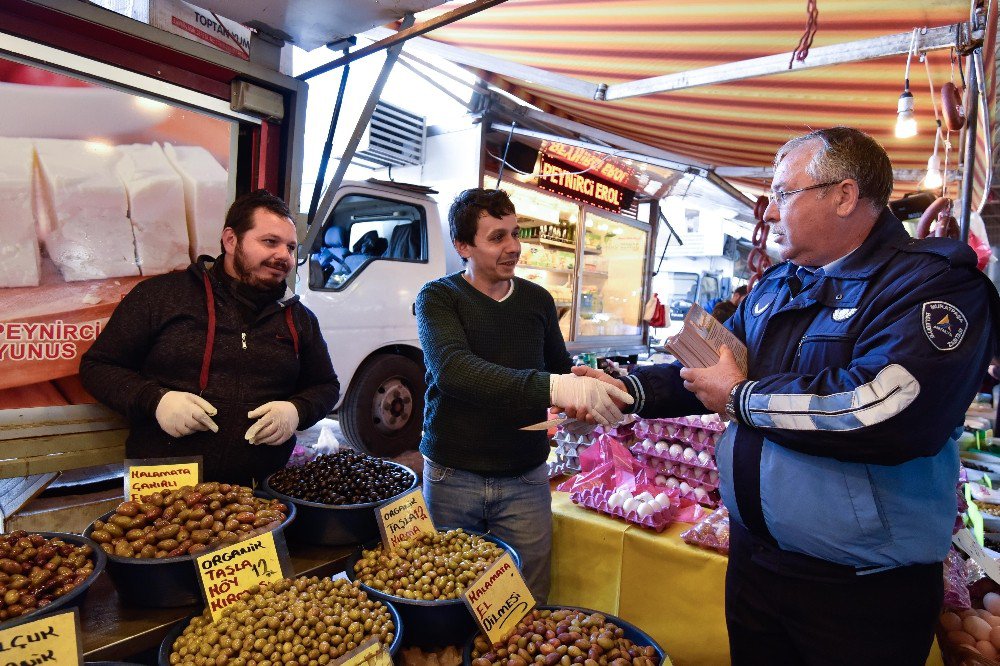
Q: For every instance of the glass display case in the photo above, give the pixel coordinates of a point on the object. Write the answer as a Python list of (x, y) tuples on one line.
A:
[(593, 263)]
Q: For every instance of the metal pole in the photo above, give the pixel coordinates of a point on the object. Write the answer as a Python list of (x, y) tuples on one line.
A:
[(971, 122), (328, 146), (326, 205)]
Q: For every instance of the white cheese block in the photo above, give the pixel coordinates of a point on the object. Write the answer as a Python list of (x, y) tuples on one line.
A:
[(206, 196), (82, 210), (20, 261), (155, 207)]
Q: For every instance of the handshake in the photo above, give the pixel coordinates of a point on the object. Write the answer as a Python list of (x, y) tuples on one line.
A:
[(589, 392)]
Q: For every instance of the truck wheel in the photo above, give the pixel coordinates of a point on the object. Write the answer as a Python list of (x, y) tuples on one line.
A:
[(383, 411)]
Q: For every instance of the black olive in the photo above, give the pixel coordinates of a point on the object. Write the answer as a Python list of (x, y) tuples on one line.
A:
[(343, 478)]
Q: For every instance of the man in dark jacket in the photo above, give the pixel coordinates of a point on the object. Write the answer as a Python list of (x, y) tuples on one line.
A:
[(220, 360), (723, 310)]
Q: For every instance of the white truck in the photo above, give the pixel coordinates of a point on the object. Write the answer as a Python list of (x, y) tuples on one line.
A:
[(379, 246)]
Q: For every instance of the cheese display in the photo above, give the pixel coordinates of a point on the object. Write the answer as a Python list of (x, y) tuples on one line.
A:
[(98, 211), (82, 210), (155, 208), (20, 262), (206, 197)]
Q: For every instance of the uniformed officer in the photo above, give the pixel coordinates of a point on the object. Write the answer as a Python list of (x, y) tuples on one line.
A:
[(839, 466)]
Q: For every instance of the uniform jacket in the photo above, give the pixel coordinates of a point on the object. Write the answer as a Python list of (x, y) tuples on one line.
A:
[(843, 446), (156, 342)]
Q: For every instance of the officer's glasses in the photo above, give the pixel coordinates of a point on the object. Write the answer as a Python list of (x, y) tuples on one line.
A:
[(781, 196)]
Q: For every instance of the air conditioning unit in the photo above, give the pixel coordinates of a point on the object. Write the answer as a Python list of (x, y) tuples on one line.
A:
[(395, 137)]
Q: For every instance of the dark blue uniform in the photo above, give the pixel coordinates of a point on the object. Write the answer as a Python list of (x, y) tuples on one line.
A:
[(840, 469)]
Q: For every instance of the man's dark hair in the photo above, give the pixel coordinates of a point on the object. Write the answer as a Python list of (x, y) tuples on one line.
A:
[(742, 291), (465, 211), (240, 214), (848, 153)]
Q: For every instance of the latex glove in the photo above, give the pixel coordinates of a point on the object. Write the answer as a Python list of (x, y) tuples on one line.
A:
[(276, 421), (180, 413), (582, 415), (590, 394)]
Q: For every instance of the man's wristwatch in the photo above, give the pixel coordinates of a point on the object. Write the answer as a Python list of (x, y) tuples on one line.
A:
[(731, 402)]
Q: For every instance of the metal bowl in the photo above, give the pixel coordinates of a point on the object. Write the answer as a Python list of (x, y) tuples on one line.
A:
[(431, 624), (77, 594), (164, 583), (631, 632)]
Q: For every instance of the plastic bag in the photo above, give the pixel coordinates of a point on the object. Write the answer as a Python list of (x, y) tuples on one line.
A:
[(654, 313)]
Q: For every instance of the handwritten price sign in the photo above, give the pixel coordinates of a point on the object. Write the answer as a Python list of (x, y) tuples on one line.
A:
[(499, 599), (54, 639), (404, 519), (143, 477), (227, 573)]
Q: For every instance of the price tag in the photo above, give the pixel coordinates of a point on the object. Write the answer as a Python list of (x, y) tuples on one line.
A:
[(404, 519), (369, 653), (228, 572), (964, 540), (54, 639), (143, 477), (499, 599)]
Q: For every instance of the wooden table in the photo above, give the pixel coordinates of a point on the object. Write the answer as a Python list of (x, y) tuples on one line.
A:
[(112, 631)]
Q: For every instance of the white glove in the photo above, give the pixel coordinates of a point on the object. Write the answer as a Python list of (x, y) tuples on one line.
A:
[(590, 394), (180, 413), (276, 421)]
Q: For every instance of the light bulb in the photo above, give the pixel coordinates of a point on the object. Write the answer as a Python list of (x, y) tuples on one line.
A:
[(906, 124), (933, 179)]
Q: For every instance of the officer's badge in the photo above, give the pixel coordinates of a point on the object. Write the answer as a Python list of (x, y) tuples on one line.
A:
[(843, 314), (761, 306), (943, 324)]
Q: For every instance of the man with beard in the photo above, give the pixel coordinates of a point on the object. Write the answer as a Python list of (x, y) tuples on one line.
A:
[(220, 360)]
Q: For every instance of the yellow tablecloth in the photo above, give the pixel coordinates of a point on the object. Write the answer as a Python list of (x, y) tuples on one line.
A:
[(672, 591)]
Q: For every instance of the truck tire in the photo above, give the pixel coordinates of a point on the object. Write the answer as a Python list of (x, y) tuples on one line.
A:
[(383, 411)]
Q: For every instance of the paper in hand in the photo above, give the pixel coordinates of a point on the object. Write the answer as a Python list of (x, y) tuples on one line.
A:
[(698, 343)]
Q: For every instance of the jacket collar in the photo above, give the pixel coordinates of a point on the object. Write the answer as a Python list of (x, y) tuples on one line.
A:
[(206, 263), (844, 284)]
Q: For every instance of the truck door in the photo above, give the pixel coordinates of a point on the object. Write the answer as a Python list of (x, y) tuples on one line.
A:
[(361, 279)]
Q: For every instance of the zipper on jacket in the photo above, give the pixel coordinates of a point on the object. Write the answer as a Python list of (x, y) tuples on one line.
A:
[(243, 337), (820, 338)]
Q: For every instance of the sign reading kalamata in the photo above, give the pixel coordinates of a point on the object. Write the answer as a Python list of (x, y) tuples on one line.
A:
[(565, 179)]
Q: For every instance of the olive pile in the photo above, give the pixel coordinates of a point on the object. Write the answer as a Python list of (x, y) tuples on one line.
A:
[(434, 566), (301, 621), (345, 477), (564, 637), (186, 521), (35, 571)]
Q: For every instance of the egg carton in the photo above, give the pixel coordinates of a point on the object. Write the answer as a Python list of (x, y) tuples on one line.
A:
[(706, 495), (561, 468), (571, 449), (686, 456), (700, 440), (711, 533), (679, 427), (709, 484), (696, 475), (598, 500)]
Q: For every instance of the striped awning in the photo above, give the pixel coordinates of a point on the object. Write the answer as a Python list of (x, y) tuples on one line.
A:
[(731, 124)]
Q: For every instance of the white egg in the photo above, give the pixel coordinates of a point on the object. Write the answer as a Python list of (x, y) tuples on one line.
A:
[(684, 487), (707, 418), (662, 499), (671, 429), (676, 450), (644, 510), (700, 494), (672, 482), (654, 506), (657, 428), (698, 473), (662, 446), (713, 476), (660, 480), (648, 443), (689, 454), (644, 496), (705, 458), (630, 505), (614, 501)]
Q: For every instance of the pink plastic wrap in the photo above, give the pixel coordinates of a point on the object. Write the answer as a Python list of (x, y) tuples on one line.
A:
[(712, 532), (956, 591)]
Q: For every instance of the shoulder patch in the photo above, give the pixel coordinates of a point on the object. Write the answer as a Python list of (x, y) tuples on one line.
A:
[(943, 324)]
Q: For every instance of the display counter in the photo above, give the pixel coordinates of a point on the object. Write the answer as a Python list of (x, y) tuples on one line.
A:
[(112, 631), (671, 590)]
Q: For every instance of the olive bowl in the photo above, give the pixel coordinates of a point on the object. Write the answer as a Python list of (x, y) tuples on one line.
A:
[(436, 623), (167, 582), (167, 646), (74, 597), (332, 524), (629, 630)]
